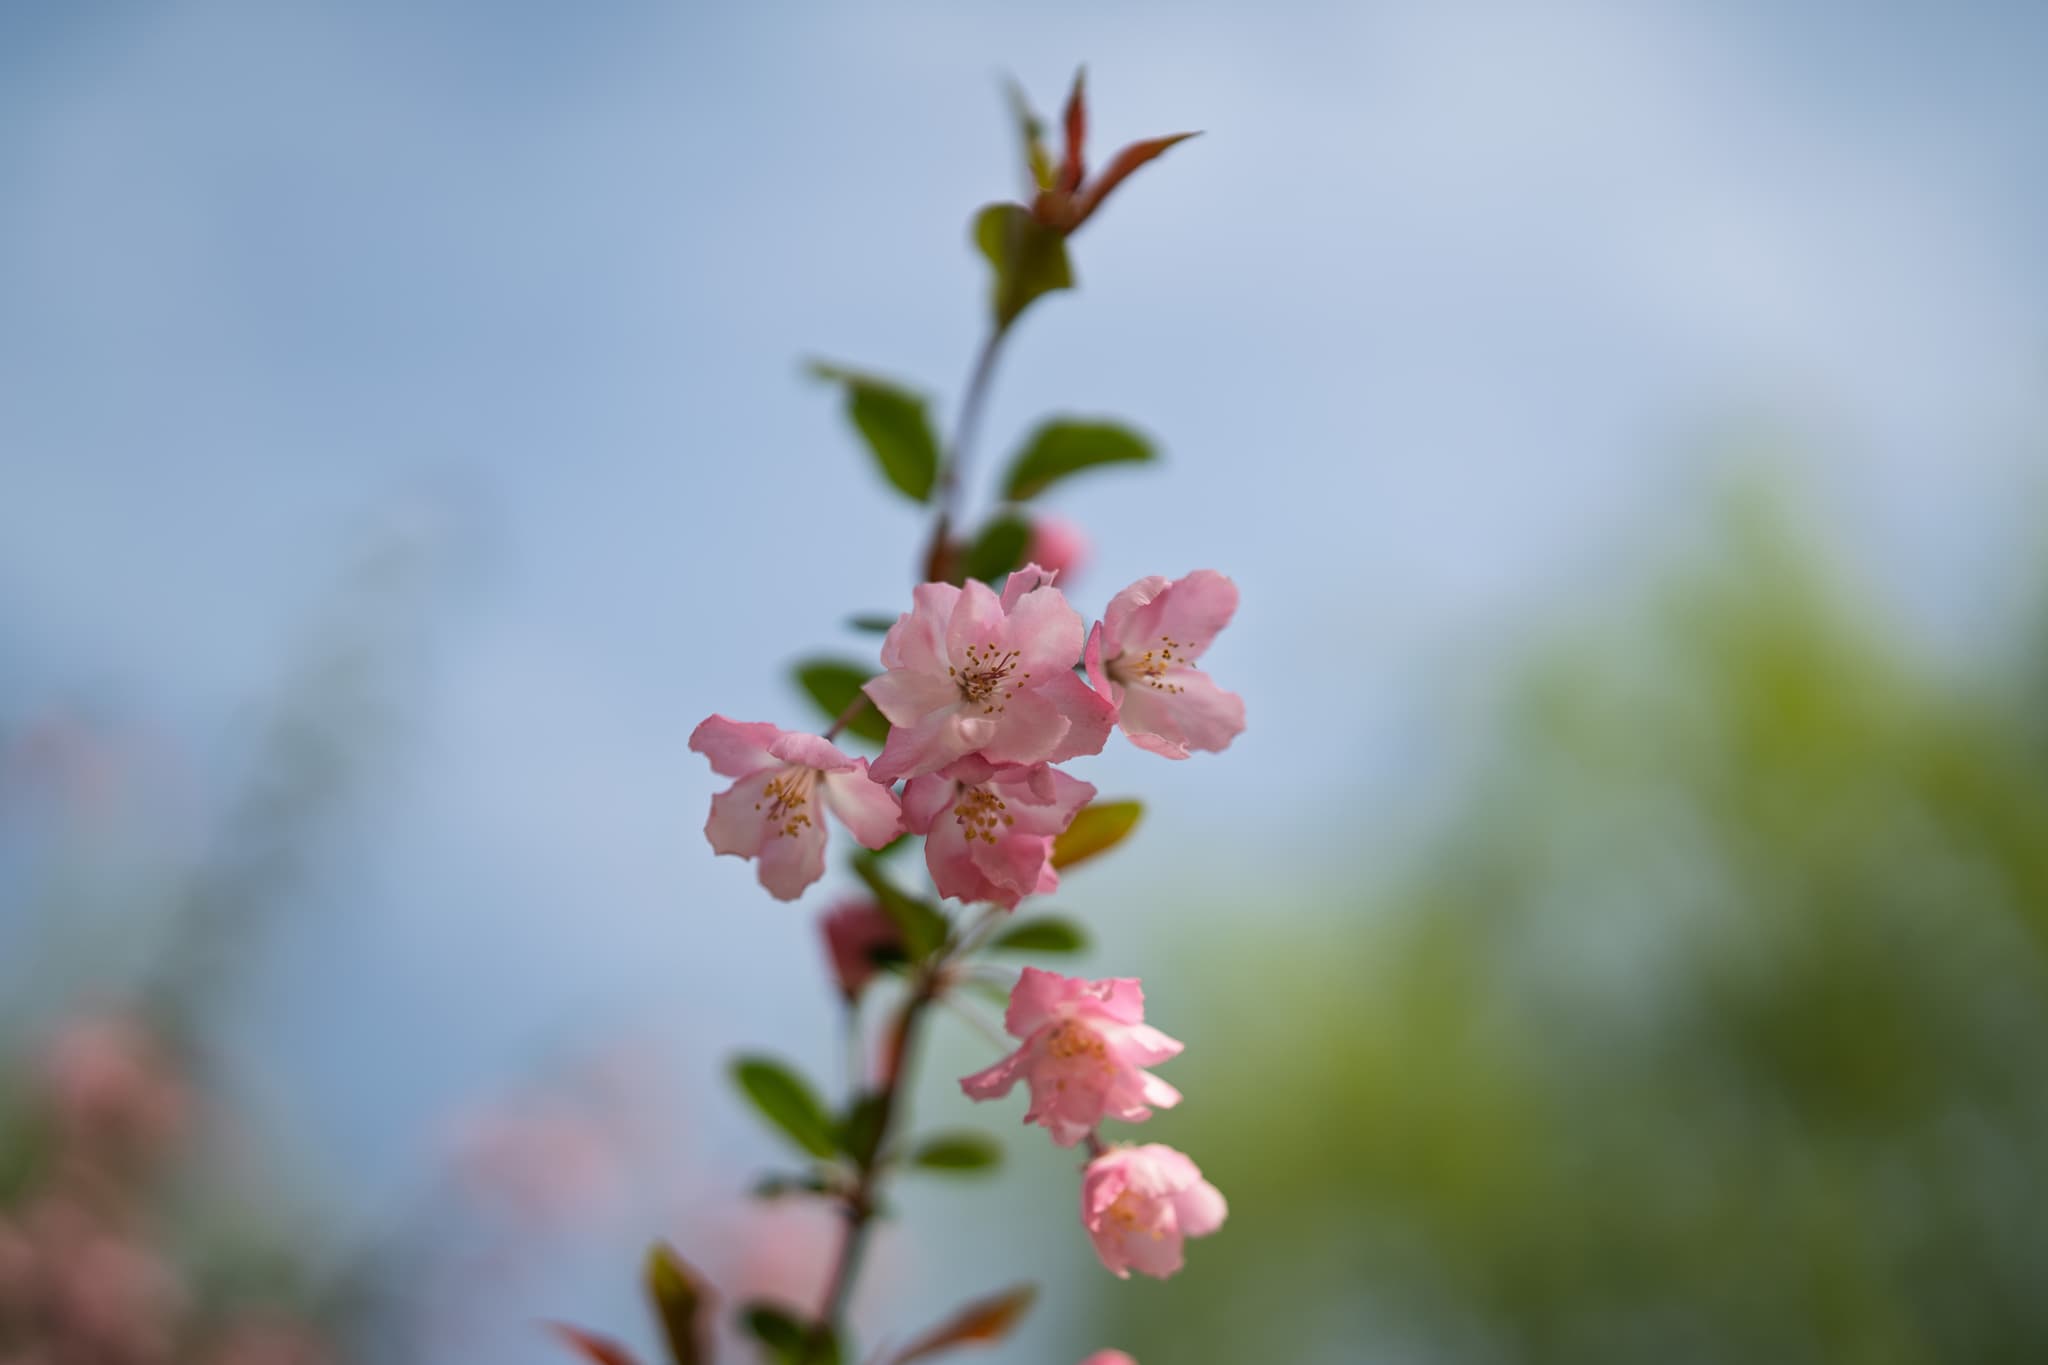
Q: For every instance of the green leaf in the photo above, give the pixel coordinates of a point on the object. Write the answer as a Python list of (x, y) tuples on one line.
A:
[(1064, 446), (1096, 829), (788, 1102), (778, 1185), (958, 1152), (834, 684), (893, 422), (874, 624), (1043, 935), (1028, 259), (787, 1336), (923, 927), (679, 1301), (983, 1321), (861, 1133), (999, 549)]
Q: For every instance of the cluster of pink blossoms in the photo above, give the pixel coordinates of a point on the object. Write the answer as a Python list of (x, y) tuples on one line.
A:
[(985, 694)]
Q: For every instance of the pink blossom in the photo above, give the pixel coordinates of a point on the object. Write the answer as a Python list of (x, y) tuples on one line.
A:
[(769, 813), (973, 673), (1057, 546), (855, 932), (112, 1087), (1109, 1358), (1142, 655), (1086, 1047), (1138, 1205), (998, 844)]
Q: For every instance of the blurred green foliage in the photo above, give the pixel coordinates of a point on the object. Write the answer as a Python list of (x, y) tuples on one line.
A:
[(1713, 1028)]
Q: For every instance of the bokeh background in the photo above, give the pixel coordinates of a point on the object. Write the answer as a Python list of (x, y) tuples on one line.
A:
[(1621, 934)]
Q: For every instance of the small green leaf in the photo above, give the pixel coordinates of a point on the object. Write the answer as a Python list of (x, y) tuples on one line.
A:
[(1096, 829), (893, 422), (861, 1132), (999, 549), (788, 1102), (874, 624), (834, 684), (787, 1336), (983, 1321), (1028, 258), (1064, 446), (679, 1301), (778, 1185), (923, 927), (1044, 935), (958, 1152)]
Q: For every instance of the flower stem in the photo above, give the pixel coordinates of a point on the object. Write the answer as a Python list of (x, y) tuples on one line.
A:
[(939, 565)]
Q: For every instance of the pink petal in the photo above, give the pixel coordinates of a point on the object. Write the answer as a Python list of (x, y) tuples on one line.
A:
[(1157, 1093), (735, 747), (791, 862), (1046, 632), (810, 751), (1033, 999), (929, 745), (1121, 628), (997, 1081), (1199, 716), (1012, 862), (1029, 729), (1195, 609), (918, 639), (1089, 716), (1200, 1209), (906, 696), (1143, 1045), (1091, 657), (869, 810), (977, 620), (1024, 580), (738, 824), (925, 799), (1121, 998)]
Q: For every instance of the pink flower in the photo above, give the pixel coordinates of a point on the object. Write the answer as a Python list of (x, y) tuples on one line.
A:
[(1142, 654), (998, 844), (856, 932), (112, 1087), (769, 813), (1057, 546), (972, 673), (1109, 1358), (1138, 1205), (1086, 1047)]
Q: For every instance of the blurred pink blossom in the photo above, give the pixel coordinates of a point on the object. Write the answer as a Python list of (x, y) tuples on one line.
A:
[(111, 1088), (855, 931), (1138, 1204), (1086, 1047), (1057, 546)]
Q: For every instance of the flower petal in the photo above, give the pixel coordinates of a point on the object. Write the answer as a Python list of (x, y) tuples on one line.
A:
[(735, 747), (1200, 715), (738, 824), (869, 810), (918, 639), (791, 862), (906, 697), (997, 1081)]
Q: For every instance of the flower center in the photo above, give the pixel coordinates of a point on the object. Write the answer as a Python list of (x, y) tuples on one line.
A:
[(978, 811), (1149, 669), (785, 799), (1070, 1041), (983, 680)]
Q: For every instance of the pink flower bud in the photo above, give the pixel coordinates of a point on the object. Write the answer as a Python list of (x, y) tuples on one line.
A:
[(1139, 1204), (856, 933), (1057, 546), (1086, 1045)]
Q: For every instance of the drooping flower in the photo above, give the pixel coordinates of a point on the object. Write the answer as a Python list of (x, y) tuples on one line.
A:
[(1086, 1047), (1139, 1204), (857, 933), (773, 811), (989, 827), (973, 673), (1141, 657)]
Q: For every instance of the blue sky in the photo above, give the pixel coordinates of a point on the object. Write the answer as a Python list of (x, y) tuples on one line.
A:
[(1435, 325)]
